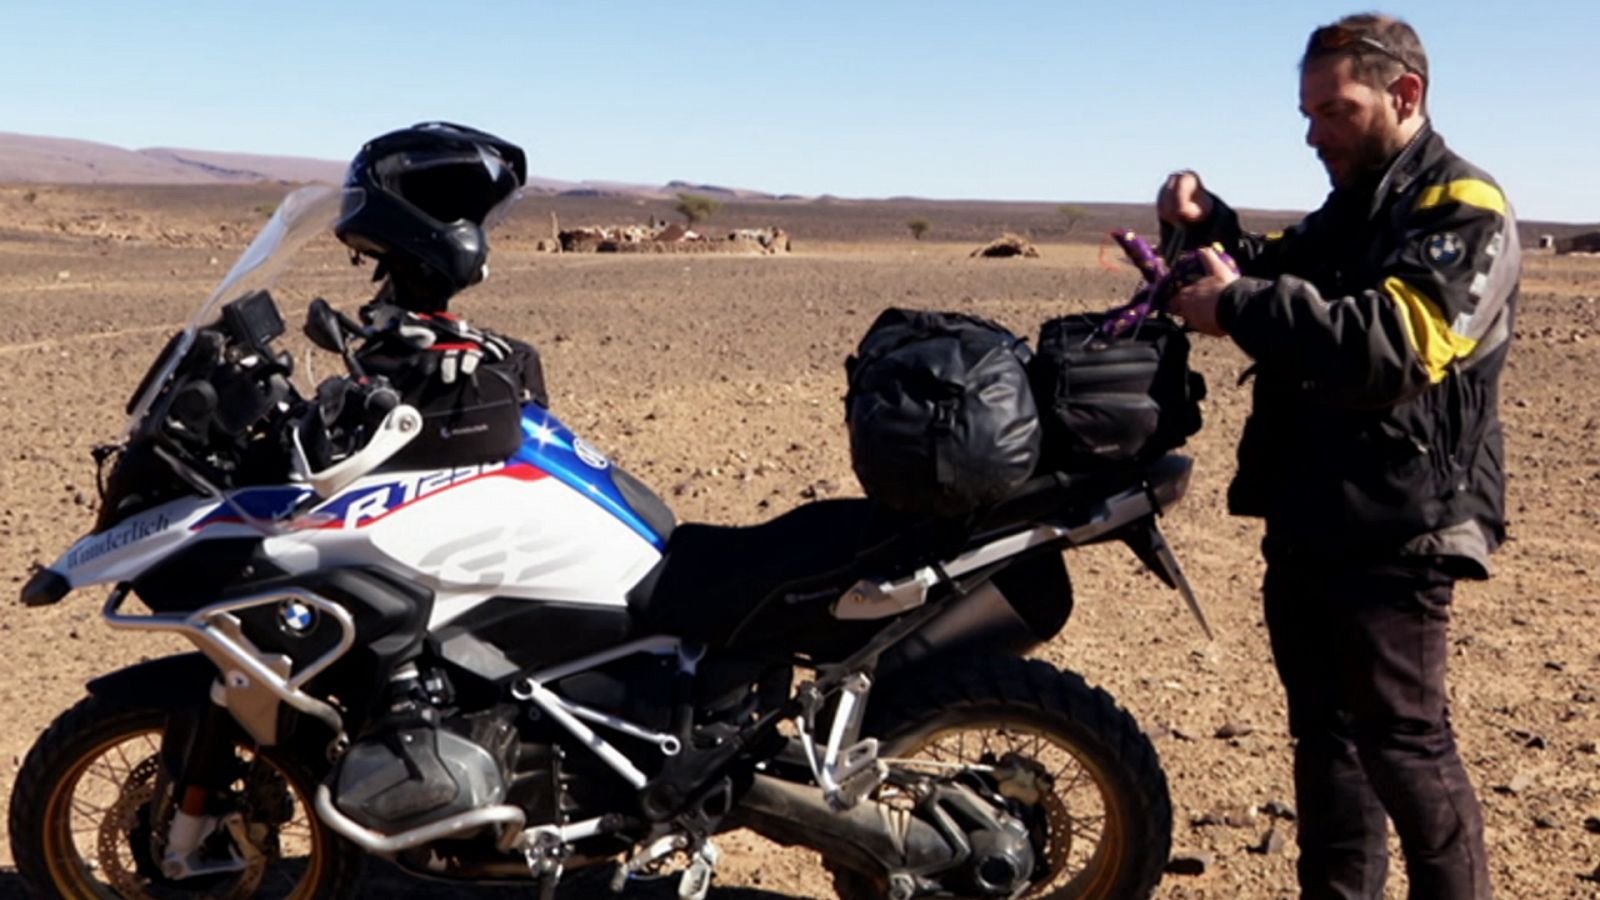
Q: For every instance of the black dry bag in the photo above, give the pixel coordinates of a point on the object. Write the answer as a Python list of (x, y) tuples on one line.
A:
[(941, 415)]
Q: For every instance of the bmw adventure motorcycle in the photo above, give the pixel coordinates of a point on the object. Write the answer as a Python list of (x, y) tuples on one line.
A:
[(524, 670)]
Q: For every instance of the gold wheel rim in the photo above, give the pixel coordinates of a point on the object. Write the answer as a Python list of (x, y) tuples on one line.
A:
[(1087, 831), (108, 767)]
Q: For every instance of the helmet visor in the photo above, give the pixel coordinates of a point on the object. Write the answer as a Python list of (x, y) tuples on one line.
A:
[(478, 188)]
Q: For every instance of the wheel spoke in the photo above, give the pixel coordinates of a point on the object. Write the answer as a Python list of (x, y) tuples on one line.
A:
[(122, 754), (1086, 833), (88, 810), (113, 780), (1077, 775), (278, 874)]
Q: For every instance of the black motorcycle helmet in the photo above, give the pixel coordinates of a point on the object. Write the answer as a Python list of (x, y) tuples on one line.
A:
[(418, 200)]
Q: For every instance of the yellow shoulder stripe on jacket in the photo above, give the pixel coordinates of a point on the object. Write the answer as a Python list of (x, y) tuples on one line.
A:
[(1273, 236), (1470, 191), (1436, 345)]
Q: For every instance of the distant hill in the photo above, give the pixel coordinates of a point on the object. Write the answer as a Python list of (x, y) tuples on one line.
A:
[(53, 160), (29, 158), (717, 191), (250, 166)]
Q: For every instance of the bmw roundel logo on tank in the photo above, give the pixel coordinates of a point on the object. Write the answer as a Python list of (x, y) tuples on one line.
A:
[(590, 454), (295, 617)]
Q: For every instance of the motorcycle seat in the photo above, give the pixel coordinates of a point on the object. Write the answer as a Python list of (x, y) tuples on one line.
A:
[(773, 584), (713, 576)]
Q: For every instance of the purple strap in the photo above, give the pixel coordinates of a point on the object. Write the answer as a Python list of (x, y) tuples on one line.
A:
[(1160, 283), (1141, 254), (1129, 316)]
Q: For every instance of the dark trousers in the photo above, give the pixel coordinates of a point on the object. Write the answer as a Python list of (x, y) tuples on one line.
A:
[(1361, 652)]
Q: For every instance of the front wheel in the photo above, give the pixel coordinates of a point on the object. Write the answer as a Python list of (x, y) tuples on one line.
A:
[(1102, 829), (91, 805)]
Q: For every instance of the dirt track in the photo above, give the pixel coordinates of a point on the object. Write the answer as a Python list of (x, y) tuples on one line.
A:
[(718, 382)]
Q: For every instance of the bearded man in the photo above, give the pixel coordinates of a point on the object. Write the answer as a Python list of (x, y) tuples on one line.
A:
[(1378, 328)]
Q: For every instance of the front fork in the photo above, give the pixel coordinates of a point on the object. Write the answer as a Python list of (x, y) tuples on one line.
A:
[(197, 753)]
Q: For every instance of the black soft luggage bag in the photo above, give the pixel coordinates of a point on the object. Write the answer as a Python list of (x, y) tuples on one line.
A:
[(474, 419), (478, 419), (942, 419), (1107, 401)]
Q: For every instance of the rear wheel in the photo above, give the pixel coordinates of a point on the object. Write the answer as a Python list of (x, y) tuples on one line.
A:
[(91, 805), (1102, 824)]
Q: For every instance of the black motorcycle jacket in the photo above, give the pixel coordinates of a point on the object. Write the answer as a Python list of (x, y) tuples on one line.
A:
[(1378, 326)]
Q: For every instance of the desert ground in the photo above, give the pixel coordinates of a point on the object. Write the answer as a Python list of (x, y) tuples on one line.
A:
[(718, 380)]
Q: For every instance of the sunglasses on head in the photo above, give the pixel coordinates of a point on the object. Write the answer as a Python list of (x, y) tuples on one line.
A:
[(1338, 37)]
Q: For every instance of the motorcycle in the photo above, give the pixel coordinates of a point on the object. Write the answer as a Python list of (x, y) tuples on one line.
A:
[(524, 671)]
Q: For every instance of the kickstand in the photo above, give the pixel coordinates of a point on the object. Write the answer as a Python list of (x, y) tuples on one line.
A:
[(546, 860), (696, 880), (548, 882)]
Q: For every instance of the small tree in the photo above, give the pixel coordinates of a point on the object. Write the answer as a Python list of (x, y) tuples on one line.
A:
[(696, 207), (1073, 213), (919, 227)]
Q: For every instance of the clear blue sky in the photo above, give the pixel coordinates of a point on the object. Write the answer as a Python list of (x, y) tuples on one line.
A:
[(1061, 101)]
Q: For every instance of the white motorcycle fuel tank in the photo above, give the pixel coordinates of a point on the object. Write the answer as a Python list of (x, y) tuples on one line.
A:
[(557, 523)]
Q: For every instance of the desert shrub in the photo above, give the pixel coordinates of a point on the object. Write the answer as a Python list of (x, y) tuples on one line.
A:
[(1007, 245), (696, 207)]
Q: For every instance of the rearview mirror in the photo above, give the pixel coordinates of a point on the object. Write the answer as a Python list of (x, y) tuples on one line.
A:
[(323, 327)]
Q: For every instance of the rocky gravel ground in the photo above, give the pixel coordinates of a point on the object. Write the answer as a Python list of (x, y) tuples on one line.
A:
[(718, 381)]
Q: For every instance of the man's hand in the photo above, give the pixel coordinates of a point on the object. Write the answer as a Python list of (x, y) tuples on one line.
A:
[(1183, 200), (1197, 303)]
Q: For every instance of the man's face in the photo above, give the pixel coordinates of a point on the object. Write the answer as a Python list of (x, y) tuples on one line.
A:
[(1354, 127)]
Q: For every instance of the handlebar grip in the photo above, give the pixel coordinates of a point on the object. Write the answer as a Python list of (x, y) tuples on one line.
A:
[(381, 399)]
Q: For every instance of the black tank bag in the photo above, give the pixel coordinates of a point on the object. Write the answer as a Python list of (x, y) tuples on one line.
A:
[(942, 420), (478, 419), (475, 419), (1109, 401)]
